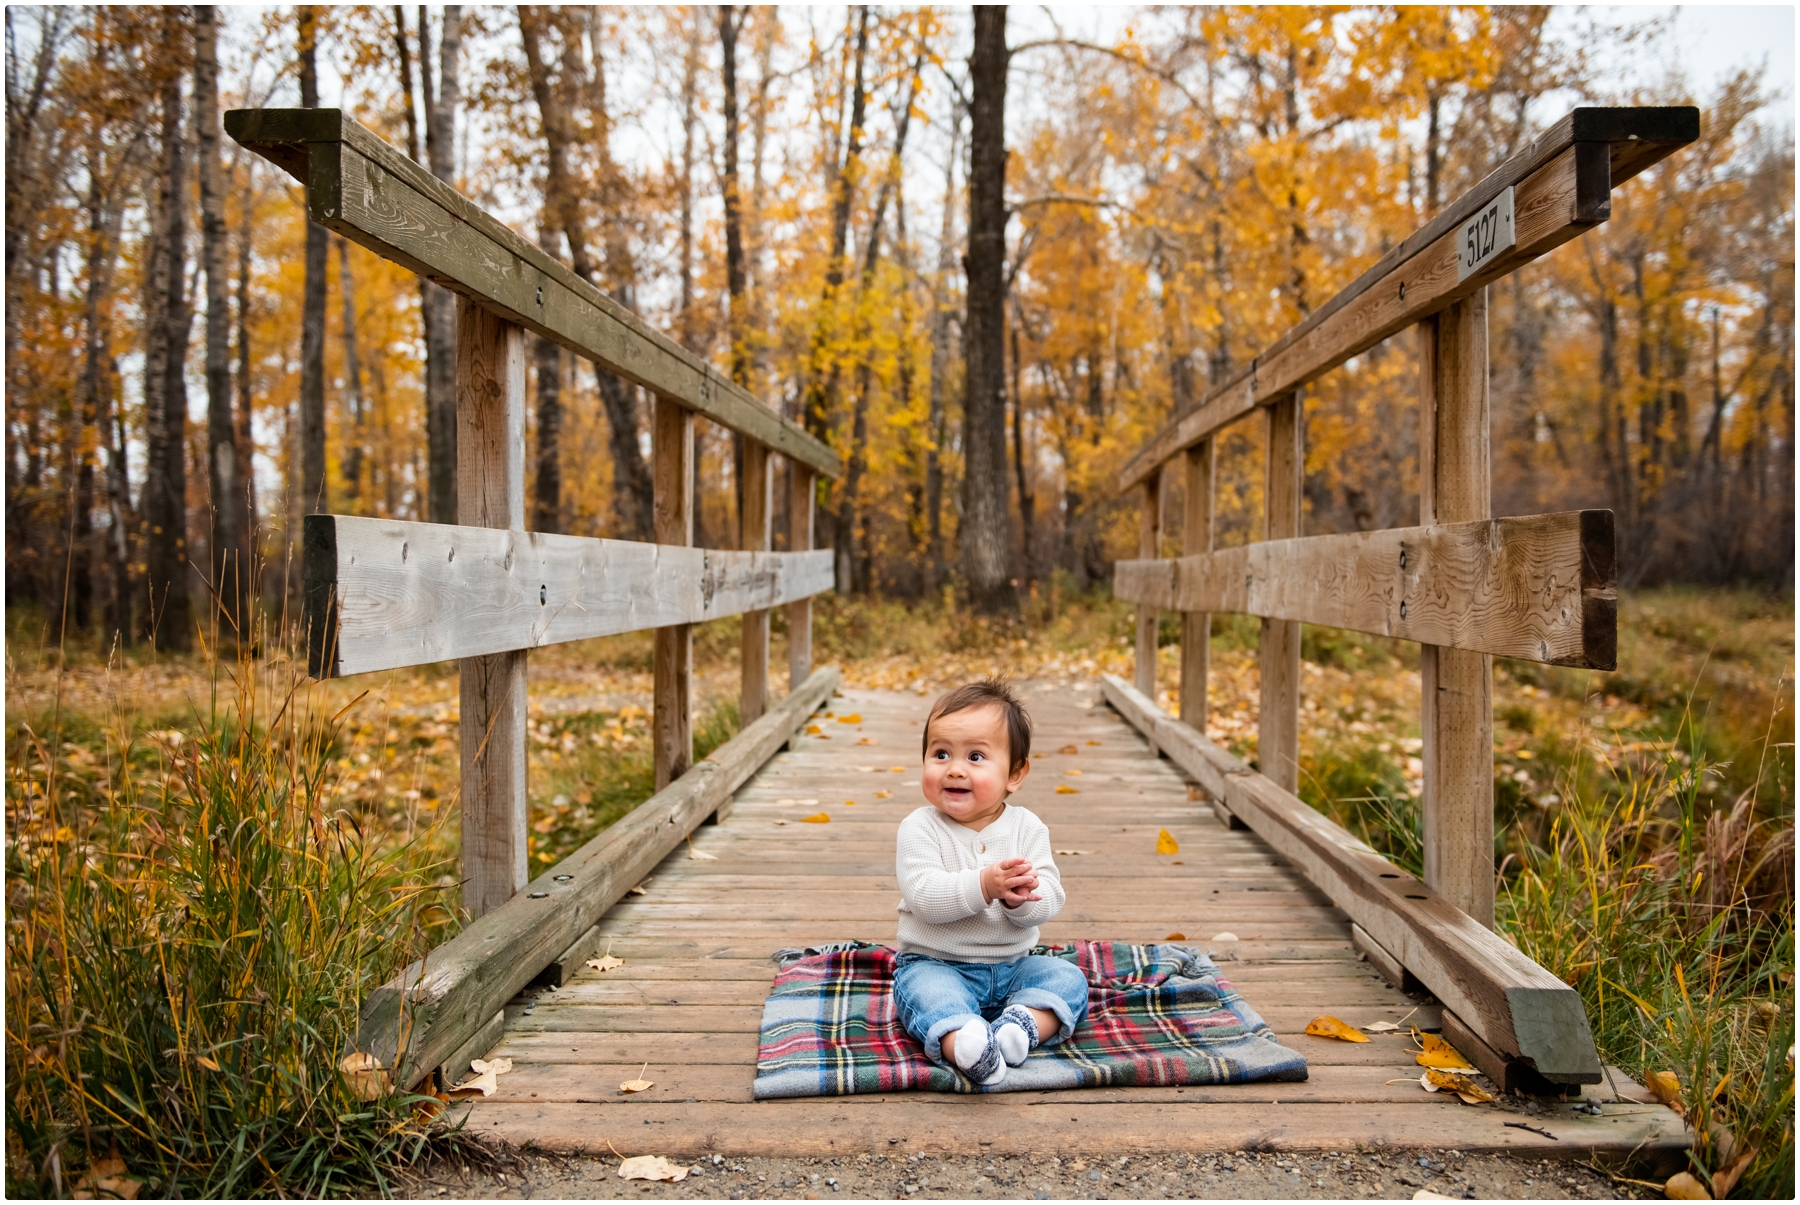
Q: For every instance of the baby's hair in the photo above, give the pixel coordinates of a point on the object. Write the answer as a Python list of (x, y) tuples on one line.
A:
[(983, 693)]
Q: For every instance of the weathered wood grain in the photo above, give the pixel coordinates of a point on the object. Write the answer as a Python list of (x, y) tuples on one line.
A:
[(490, 476), (753, 536), (673, 504), (1197, 540), (1278, 650), (372, 193), (416, 1021), (1538, 588), (383, 593), (1564, 177), (1149, 547), (1456, 719), (800, 539), (1514, 1005)]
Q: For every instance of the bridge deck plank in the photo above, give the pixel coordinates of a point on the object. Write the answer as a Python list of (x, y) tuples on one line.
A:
[(689, 996)]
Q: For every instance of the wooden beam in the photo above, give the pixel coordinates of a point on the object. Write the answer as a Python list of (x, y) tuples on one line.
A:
[(1278, 651), (1563, 183), (384, 594), (1515, 1006), (1537, 588), (1196, 626), (490, 493), (1456, 685), (413, 1023), (800, 538), (672, 719), (1149, 547), (375, 195), (753, 677)]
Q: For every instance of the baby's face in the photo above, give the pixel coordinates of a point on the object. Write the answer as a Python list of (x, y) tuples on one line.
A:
[(966, 775)]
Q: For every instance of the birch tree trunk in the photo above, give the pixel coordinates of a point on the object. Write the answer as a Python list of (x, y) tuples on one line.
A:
[(312, 305), (439, 304)]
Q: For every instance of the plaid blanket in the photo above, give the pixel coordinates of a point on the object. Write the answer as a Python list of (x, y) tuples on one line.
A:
[(1157, 1015)]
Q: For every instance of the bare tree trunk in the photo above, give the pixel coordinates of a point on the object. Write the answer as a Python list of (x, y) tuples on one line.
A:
[(546, 511), (168, 615), (227, 541), (244, 441), (690, 85), (986, 546), (729, 25), (1027, 501), (440, 306), (936, 428)]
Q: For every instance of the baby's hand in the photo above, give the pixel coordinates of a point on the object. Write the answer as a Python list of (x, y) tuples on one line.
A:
[(1012, 882)]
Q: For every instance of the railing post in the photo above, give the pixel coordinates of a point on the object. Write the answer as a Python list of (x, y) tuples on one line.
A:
[(800, 539), (1149, 547), (1196, 626), (753, 690), (1457, 714), (672, 450), (1278, 723), (490, 492)]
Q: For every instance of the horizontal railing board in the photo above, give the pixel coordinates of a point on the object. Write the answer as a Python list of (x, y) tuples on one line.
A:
[(1513, 1004), (384, 593), (1539, 588), (1619, 142), (415, 1022), (375, 195)]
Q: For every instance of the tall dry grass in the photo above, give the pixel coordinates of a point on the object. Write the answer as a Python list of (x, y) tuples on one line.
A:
[(190, 928)]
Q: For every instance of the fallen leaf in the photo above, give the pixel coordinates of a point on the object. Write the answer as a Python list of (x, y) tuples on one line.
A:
[(1667, 1088), (816, 818), (896, 769), (1226, 936), (1470, 1092), (606, 962), (697, 854), (814, 730), (1441, 1054), (497, 1066), (1073, 773), (1683, 1187), (1070, 853), (1726, 1178), (849, 803), (868, 769), (1178, 862), (106, 1179), (652, 1167), (1381, 1027), (1176, 937), (884, 794), (1196, 795), (637, 1085), (1166, 844), (485, 1083), (854, 717), (867, 740), (1093, 742), (1071, 748), (366, 1075), (1063, 788), (1331, 1027), (641, 889)]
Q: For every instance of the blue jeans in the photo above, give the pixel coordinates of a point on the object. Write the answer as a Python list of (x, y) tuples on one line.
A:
[(936, 998)]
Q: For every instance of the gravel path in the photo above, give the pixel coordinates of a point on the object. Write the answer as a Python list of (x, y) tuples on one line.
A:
[(1384, 1175)]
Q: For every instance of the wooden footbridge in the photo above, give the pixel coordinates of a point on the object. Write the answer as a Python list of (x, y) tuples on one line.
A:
[(1305, 918)]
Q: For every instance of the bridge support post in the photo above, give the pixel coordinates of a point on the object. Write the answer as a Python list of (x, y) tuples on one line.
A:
[(1456, 686), (490, 492), (800, 539), (1149, 547), (1278, 722), (1196, 626), (672, 472), (753, 689)]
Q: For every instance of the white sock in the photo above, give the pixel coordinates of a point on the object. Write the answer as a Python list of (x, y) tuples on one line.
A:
[(977, 1054), (1016, 1032)]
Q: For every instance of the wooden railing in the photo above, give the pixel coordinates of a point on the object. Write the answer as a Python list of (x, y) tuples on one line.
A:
[(383, 594), (1466, 587)]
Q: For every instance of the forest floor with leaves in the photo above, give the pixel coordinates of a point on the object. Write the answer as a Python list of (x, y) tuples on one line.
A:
[(1645, 819)]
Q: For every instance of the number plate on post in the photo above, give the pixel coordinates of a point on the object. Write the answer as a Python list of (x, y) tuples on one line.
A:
[(1486, 236)]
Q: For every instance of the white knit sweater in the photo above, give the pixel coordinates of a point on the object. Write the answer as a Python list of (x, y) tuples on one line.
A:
[(939, 864)]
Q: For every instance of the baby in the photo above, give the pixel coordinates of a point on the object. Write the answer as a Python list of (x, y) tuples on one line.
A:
[(976, 881)]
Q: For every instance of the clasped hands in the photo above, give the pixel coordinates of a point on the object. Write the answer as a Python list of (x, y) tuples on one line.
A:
[(1012, 882)]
